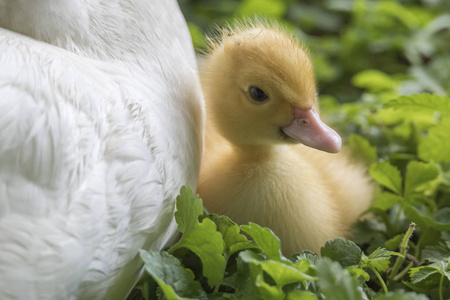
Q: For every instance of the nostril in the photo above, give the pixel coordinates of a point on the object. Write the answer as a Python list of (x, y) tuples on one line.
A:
[(304, 121)]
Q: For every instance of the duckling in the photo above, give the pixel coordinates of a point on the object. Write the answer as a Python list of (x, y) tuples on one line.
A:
[(269, 158)]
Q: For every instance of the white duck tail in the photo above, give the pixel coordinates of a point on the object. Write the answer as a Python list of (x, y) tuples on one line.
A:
[(101, 124)]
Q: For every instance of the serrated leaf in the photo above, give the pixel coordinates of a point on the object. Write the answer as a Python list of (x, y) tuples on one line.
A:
[(359, 273), (378, 259), (401, 295), (387, 175), (426, 276), (347, 253), (305, 255), (267, 241), (436, 145), (189, 208), (201, 238), (335, 282), (175, 281), (234, 240), (386, 200), (362, 147), (436, 253), (422, 102), (418, 174), (443, 266)]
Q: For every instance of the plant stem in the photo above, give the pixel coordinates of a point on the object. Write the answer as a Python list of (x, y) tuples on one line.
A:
[(441, 283), (404, 271), (403, 250), (383, 284)]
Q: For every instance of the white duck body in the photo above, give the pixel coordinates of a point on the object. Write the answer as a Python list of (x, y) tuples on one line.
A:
[(101, 124)]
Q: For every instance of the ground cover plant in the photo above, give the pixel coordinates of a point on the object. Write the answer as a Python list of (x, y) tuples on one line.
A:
[(401, 251), (384, 74)]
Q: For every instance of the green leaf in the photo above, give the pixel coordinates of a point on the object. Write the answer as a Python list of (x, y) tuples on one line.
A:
[(274, 9), (234, 240), (426, 276), (440, 221), (175, 281), (423, 102), (335, 282), (436, 145), (374, 80), (401, 295), (429, 237), (387, 175), (362, 147), (303, 265), (443, 267), (359, 273), (189, 208), (281, 273), (347, 253), (300, 295), (386, 200), (436, 253), (238, 279), (305, 255), (394, 242), (256, 288), (201, 238), (198, 38), (418, 174), (378, 259), (266, 291), (267, 241)]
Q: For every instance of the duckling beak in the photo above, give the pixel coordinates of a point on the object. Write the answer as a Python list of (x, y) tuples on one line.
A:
[(308, 129)]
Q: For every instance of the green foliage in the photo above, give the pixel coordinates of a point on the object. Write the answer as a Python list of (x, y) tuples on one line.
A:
[(201, 238), (387, 175), (342, 251), (336, 282), (256, 268), (175, 281)]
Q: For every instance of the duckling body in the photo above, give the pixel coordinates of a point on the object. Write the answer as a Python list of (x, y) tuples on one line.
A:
[(255, 169)]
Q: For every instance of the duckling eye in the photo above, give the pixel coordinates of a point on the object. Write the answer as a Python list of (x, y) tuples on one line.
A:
[(258, 94)]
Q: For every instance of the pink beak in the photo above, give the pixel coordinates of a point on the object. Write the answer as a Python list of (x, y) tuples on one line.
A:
[(308, 129)]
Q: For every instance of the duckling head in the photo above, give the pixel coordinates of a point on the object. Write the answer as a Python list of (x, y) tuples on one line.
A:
[(260, 89)]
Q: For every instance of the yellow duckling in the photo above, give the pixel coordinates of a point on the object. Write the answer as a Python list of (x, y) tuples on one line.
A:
[(262, 162)]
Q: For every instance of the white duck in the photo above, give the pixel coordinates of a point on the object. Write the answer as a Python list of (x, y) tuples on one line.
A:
[(101, 124)]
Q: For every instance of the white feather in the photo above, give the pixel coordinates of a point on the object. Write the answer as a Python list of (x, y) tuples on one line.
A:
[(101, 124)]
